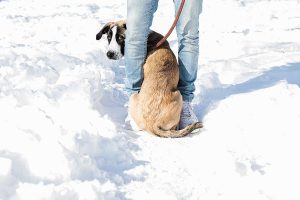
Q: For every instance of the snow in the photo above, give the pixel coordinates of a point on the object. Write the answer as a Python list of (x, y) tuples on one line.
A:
[(63, 106)]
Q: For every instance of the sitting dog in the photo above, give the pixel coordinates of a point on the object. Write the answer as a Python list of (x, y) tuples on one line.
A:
[(157, 107)]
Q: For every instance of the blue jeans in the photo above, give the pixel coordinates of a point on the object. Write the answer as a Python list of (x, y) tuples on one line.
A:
[(139, 19)]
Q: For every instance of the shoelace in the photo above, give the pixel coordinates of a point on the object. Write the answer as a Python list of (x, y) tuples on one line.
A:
[(186, 110)]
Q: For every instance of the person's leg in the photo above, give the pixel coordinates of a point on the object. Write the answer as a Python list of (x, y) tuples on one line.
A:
[(139, 19), (188, 53), (187, 30)]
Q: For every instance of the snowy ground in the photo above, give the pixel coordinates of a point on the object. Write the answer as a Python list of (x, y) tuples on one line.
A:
[(62, 106)]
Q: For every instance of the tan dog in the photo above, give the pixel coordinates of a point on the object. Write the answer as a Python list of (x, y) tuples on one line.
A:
[(157, 107)]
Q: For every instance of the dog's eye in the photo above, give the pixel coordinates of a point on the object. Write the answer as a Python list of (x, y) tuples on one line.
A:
[(121, 37)]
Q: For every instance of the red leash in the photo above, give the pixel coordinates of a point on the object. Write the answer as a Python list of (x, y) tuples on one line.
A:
[(173, 25)]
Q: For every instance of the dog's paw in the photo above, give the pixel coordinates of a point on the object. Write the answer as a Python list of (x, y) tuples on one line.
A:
[(130, 124)]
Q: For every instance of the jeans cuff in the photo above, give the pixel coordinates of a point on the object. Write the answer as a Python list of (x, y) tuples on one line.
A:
[(187, 98)]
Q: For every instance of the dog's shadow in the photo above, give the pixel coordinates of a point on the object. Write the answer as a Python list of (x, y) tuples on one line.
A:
[(211, 97)]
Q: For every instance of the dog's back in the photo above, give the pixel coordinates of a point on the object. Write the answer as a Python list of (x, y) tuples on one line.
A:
[(162, 100), (157, 107)]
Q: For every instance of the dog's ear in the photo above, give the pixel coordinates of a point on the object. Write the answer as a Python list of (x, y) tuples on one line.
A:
[(121, 23), (104, 30), (124, 26)]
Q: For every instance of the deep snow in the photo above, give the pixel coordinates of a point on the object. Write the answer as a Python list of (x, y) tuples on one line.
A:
[(63, 105)]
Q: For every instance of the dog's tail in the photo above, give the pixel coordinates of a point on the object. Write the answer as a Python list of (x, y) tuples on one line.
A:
[(177, 133)]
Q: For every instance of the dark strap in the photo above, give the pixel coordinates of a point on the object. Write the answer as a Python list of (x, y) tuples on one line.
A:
[(173, 25)]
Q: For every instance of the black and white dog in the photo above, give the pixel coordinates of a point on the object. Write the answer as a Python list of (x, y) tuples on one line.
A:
[(116, 39)]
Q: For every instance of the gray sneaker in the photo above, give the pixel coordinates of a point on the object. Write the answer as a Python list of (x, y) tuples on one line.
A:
[(187, 116)]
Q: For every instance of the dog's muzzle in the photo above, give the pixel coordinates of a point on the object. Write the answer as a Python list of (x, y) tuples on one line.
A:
[(112, 55)]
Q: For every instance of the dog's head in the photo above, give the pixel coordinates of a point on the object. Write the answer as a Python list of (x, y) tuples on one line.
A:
[(115, 32)]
